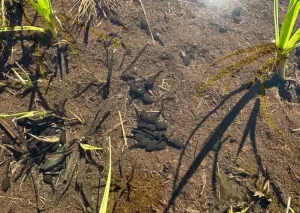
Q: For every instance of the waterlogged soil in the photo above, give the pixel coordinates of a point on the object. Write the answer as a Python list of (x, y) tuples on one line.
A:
[(234, 155)]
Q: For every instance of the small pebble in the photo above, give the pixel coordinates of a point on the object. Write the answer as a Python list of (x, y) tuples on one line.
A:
[(48, 178), (5, 183), (223, 29)]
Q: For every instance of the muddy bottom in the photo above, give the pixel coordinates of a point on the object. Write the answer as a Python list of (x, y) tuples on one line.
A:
[(205, 151)]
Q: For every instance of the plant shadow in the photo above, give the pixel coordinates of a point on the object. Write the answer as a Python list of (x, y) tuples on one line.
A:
[(215, 140)]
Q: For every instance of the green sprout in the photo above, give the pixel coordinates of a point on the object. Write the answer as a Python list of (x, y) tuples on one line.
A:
[(105, 198), (284, 40), (104, 203), (31, 114), (21, 28), (274, 55), (44, 9)]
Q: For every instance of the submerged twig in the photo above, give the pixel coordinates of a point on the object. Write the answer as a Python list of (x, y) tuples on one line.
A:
[(147, 21), (135, 59), (123, 130)]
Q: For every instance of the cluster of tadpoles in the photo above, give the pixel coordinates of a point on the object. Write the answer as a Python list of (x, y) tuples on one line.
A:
[(42, 144), (150, 133), (141, 90)]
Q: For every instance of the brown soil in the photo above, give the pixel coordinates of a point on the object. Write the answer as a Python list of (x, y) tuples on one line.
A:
[(231, 150)]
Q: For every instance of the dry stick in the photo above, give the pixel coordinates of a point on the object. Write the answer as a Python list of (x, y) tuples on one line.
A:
[(3, 13), (123, 130), (135, 59), (296, 130), (147, 22)]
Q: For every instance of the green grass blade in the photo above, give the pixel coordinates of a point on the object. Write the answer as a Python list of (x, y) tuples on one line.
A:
[(294, 39), (21, 28), (276, 22), (105, 198), (44, 9), (288, 25), (30, 114), (88, 147), (292, 2)]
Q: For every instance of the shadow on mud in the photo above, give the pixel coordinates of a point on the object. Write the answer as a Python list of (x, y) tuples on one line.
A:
[(215, 140)]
